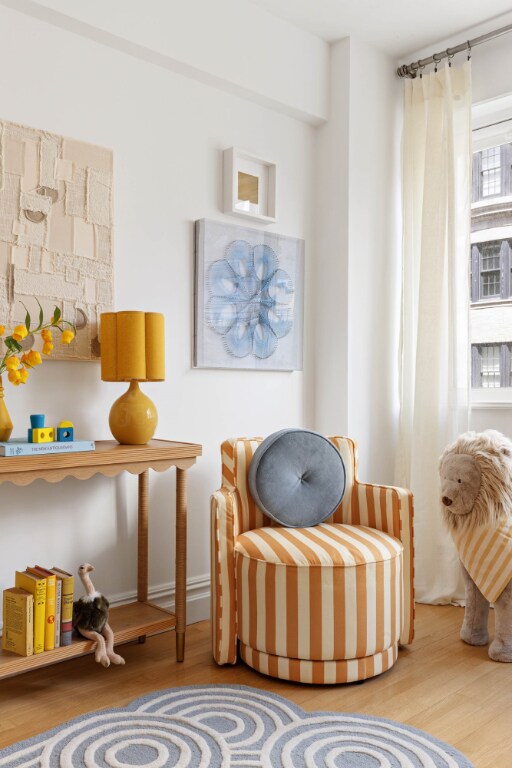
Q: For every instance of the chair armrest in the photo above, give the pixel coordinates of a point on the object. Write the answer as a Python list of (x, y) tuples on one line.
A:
[(390, 509), (224, 525)]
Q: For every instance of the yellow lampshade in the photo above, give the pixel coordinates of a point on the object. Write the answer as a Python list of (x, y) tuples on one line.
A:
[(132, 346), (132, 349)]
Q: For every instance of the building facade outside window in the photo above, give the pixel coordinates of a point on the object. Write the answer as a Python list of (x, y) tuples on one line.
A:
[(490, 262)]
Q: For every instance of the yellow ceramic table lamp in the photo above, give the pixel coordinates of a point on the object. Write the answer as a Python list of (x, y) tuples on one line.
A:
[(132, 349)]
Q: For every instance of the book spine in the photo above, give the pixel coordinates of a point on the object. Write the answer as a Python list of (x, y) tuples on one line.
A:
[(18, 630), (33, 449), (38, 589), (66, 627), (49, 615), (58, 611), (49, 607), (66, 619)]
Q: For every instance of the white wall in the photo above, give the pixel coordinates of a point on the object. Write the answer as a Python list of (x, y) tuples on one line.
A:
[(167, 132), (231, 44), (375, 259), (356, 275)]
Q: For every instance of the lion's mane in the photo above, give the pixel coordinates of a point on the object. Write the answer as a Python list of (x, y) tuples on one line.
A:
[(493, 453)]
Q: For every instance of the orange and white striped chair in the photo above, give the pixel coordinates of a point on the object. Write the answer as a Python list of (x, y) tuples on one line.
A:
[(323, 604)]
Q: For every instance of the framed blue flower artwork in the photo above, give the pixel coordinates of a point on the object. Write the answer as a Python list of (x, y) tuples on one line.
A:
[(249, 296)]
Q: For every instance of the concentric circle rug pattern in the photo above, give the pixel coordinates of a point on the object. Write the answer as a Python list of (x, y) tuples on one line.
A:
[(215, 726)]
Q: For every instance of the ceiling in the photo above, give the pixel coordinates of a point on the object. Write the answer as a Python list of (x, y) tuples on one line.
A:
[(397, 27)]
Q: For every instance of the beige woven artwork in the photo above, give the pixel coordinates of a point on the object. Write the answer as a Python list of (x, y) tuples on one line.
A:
[(55, 233)]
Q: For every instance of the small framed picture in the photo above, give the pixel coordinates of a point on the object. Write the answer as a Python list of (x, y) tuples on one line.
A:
[(249, 186)]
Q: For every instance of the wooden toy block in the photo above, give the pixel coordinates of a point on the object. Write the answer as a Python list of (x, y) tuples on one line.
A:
[(65, 434), (43, 435)]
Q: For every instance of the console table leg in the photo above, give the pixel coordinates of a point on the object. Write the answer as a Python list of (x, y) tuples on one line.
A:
[(142, 538), (181, 561)]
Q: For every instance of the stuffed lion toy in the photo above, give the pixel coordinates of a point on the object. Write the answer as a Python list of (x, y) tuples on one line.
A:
[(476, 503)]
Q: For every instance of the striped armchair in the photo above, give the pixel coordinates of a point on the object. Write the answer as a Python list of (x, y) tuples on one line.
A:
[(326, 604)]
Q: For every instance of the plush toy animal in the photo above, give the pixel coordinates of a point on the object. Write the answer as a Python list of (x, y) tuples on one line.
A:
[(476, 502), (90, 618)]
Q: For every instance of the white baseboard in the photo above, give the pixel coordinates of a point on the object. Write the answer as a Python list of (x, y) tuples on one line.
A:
[(198, 597)]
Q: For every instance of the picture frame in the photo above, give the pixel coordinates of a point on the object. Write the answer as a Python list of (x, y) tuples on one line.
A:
[(249, 298), (249, 186)]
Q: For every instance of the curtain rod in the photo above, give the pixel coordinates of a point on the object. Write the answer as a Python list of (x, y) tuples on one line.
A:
[(411, 70)]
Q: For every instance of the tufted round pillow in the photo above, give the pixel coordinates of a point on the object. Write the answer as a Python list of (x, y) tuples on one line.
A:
[(297, 477)]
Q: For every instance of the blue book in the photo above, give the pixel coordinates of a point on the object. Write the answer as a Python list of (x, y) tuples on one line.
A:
[(19, 446)]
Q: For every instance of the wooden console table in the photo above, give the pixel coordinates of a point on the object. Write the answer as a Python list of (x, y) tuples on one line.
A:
[(140, 618)]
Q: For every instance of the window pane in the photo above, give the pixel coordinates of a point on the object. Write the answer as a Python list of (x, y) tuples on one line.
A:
[(490, 285), (491, 171), (490, 366), (490, 274)]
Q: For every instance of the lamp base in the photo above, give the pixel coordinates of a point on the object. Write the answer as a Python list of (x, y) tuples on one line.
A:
[(133, 417)]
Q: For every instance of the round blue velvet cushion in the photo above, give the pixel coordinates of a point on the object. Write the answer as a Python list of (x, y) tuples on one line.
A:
[(297, 477)]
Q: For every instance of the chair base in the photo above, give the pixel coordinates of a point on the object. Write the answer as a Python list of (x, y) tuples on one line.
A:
[(319, 672)]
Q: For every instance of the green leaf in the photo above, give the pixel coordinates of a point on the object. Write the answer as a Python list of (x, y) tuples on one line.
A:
[(27, 317), (12, 344), (56, 315), (41, 316)]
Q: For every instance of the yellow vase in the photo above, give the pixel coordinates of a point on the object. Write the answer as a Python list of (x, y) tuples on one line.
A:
[(5, 419), (133, 417)]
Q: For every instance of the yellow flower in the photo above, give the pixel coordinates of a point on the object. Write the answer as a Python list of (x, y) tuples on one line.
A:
[(14, 377), (20, 332), (31, 358), (67, 337), (17, 363), (12, 363)]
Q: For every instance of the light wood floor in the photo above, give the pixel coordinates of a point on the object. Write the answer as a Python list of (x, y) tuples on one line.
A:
[(439, 684)]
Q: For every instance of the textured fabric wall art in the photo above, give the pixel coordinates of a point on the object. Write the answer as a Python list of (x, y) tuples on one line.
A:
[(55, 232), (249, 298)]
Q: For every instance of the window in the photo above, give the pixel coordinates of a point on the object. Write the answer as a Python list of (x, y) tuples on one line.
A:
[(490, 257), (491, 365), (492, 172), (490, 270)]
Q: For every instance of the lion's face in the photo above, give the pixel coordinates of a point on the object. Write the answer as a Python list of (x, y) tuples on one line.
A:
[(460, 484)]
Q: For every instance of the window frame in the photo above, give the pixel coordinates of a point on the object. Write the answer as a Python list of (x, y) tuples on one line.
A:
[(491, 126)]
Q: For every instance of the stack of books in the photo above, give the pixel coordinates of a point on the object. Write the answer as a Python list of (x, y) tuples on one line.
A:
[(38, 611)]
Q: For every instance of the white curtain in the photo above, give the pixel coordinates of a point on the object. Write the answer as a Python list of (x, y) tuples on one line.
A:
[(434, 391)]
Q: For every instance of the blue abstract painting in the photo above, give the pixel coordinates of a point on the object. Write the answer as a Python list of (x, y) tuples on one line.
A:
[(249, 298)]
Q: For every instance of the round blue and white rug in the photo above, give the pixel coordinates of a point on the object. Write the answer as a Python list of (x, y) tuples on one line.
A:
[(216, 726)]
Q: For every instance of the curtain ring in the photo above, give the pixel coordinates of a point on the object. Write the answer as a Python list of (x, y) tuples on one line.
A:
[(449, 56), (421, 67), (469, 51), (436, 61)]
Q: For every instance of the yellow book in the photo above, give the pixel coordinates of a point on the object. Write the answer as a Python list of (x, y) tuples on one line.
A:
[(50, 604), (18, 618), (37, 587), (66, 616)]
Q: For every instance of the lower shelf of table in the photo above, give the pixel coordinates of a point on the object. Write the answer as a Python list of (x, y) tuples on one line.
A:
[(128, 622)]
